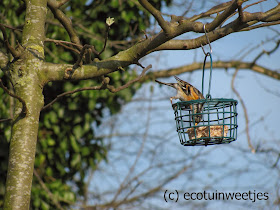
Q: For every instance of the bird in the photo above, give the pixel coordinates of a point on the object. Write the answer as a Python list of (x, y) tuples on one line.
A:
[(187, 92)]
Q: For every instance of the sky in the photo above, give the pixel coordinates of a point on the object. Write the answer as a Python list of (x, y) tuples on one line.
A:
[(145, 130)]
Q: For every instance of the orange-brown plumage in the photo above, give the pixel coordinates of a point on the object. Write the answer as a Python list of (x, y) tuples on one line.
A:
[(187, 92)]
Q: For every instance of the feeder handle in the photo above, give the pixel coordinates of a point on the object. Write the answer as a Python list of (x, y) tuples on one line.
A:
[(208, 96)]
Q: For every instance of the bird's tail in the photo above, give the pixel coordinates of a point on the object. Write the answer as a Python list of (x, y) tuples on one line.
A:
[(163, 83)]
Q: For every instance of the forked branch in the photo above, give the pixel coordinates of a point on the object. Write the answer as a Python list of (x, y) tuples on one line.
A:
[(104, 85)]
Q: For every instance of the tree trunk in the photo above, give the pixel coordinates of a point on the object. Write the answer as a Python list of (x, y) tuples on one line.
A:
[(24, 134), (24, 73)]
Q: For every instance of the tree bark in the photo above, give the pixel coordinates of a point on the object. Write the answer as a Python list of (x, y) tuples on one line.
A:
[(23, 140), (25, 76)]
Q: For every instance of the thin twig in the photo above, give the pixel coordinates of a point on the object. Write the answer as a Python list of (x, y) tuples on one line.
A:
[(245, 112), (139, 153), (51, 196), (245, 7), (62, 2), (157, 15), (260, 26), (24, 108), (105, 41), (4, 120), (102, 86), (188, 9), (6, 41), (266, 52), (114, 90), (70, 48), (81, 55), (62, 41), (11, 27), (216, 9), (65, 21)]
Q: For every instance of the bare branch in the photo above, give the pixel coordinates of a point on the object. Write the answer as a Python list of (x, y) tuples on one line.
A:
[(213, 10), (11, 27), (267, 52), (240, 10), (51, 196), (114, 90), (157, 15), (6, 41), (245, 112), (260, 26), (63, 42), (65, 21), (102, 86), (222, 17), (24, 108), (83, 51), (216, 65), (4, 120), (62, 2), (105, 41), (249, 19)]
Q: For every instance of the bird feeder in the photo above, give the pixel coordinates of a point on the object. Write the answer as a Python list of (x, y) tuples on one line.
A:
[(218, 124)]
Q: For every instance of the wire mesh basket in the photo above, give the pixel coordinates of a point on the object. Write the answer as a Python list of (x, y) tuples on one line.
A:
[(217, 121)]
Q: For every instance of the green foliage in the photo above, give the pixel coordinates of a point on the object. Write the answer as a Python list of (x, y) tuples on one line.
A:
[(67, 147)]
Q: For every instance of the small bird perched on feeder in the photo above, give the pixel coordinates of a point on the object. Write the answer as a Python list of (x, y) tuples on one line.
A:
[(187, 92)]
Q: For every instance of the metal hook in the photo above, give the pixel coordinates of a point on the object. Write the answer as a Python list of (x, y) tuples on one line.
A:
[(207, 41)]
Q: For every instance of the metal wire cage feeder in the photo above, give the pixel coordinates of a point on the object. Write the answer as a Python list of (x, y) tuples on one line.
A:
[(218, 124)]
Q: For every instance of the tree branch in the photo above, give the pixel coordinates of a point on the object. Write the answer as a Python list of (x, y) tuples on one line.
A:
[(14, 53), (160, 41), (216, 9), (249, 19), (63, 42), (157, 15), (65, 21), (222, 17), (240, 10), (102, 86), (266, 52), (253, 150), (114, 90), (24, 107), (216, 65), (51, 196), (62, 2)]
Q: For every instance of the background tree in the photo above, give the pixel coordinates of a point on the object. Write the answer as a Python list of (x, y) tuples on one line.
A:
[(76, 147)]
